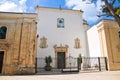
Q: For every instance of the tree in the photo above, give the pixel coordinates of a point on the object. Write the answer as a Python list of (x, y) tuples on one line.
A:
[(111, 8)]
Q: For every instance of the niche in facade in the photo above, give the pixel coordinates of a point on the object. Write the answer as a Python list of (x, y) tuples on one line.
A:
[(43, 42), (77, 43)]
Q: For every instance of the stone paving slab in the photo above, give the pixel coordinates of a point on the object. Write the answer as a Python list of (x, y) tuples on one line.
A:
[(105, 75)]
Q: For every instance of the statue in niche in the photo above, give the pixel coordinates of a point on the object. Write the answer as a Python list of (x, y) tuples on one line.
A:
[(43, 42), (77, 43)]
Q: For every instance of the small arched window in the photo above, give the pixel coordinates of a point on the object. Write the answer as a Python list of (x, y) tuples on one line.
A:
[(3, 31)]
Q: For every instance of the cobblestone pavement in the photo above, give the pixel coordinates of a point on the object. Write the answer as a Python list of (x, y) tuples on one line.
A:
[(105, 75)]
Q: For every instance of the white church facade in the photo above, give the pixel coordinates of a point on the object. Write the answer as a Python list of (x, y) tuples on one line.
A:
[(61, 33), (26, 39)]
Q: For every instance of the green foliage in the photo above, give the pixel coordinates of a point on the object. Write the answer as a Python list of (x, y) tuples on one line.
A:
[(111, 8), (94, 1), (48, 59), (105, 9), (79, 59), (117, 11)]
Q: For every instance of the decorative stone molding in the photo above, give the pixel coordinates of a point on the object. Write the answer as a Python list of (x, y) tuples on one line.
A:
[(107, 24), (43, 42), (77, 43), (55, 46), (61, 48), (66, 46)]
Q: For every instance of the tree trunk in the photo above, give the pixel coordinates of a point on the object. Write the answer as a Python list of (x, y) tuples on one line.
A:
[(117, 18)]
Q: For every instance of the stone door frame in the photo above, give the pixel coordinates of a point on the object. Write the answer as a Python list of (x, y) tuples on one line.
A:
[(60, 49)]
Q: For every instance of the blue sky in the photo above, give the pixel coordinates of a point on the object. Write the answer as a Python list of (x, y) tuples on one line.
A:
[(90, 10), (45, 3)]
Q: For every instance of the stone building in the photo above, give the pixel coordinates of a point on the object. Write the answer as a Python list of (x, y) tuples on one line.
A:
[(104, 40), (17, 42), (62, 33)]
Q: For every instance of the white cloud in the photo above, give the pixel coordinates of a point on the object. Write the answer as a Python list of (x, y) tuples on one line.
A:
[(99, 3), (13, 5), (90, 10)]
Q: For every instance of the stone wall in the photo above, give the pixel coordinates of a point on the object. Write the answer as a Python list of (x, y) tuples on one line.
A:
[(110, 42), (20, 44)]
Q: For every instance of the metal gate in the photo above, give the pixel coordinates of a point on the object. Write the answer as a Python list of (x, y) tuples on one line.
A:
[(71, 64), (94, 64)]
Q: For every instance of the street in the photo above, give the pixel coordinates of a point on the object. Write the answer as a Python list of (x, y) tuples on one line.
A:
[(105, 75)]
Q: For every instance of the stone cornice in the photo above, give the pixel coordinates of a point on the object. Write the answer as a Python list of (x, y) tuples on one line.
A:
[(8, 15), (107, 24), (6, 21), (61, 48), (37, 8)]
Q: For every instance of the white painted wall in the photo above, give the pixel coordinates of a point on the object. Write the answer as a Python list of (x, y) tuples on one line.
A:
[(94, 42), (47, 27)]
